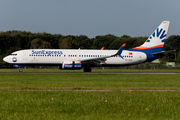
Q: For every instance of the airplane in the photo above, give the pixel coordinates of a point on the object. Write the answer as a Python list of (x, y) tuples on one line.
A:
[(150, 50)]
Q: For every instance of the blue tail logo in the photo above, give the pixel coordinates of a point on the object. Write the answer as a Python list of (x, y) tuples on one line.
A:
[(157, 34)]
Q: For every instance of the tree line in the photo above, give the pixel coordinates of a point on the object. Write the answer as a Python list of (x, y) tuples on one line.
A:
[(11, 41)]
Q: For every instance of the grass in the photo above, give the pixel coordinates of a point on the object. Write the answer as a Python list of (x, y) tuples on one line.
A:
[(68, 81), (21, 98), (69, 105)]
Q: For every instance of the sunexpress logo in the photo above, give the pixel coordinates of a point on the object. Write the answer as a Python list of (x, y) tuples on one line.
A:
[(14, 59), (44, 52), (159, 34)]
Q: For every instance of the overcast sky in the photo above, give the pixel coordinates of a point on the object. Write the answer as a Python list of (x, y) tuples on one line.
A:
[(90, 17)]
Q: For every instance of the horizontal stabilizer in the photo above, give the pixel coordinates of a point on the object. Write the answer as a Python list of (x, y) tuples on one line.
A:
[(163, 52)]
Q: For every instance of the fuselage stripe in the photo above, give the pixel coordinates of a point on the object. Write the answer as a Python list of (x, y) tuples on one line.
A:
[(144, 48)]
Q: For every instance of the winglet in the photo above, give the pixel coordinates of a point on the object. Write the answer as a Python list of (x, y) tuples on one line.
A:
[(120, 50), (102, 48)]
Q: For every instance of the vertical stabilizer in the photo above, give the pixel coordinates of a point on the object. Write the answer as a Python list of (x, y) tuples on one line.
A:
[(156, 40)]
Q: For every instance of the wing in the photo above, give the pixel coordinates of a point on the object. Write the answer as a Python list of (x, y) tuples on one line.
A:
[(99, 60)]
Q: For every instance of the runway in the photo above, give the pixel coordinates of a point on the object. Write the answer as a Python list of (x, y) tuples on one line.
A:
[(102, 72)]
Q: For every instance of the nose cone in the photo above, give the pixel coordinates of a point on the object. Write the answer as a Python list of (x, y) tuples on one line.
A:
[(6, 59)]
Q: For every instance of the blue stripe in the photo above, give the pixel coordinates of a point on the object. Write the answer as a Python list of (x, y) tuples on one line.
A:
[(149, 52), (152, 50)]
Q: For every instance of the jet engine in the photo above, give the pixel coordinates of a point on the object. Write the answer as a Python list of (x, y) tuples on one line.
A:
[(18, 66), (72, 65)]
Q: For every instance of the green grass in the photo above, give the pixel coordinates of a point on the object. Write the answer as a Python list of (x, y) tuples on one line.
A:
[(79, 105), (68, 81), (20, 97)]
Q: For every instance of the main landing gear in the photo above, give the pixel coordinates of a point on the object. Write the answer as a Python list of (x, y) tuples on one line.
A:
[(20, 70), (87, 69)]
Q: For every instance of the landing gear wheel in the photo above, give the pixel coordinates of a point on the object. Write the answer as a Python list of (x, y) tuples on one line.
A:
[(20, 70), (87, 69)]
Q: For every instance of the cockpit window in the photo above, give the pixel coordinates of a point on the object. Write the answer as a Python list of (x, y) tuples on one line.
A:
[(13, 54)]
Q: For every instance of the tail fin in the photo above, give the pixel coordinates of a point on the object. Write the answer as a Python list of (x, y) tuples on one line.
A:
[(156, 40)]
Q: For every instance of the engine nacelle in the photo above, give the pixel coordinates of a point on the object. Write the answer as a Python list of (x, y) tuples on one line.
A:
[(18, 66), (72, 65)]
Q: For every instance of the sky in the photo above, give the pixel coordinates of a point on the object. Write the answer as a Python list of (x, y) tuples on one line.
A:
[(90, 17)]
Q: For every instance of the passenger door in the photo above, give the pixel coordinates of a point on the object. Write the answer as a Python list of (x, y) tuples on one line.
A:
[(25, 56)]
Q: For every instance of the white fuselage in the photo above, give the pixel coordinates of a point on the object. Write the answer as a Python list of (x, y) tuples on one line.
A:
[(60, 56)]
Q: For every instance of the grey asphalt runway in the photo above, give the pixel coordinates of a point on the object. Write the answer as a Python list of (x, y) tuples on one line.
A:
[(103, 72)]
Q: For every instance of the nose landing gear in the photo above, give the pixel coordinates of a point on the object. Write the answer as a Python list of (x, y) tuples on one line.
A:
[(20, 70)]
